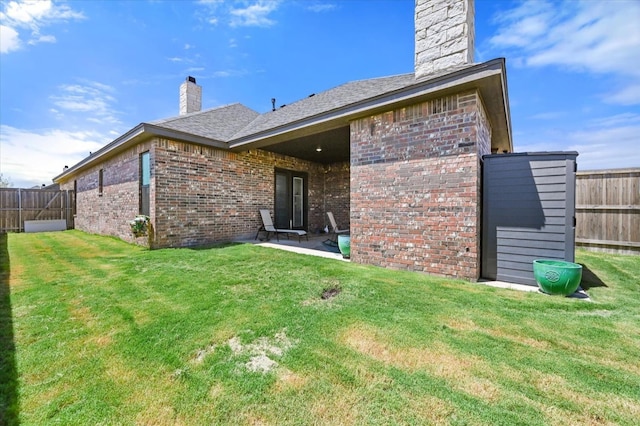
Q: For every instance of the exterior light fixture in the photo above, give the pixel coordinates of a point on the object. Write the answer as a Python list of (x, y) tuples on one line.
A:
[(319, 149)]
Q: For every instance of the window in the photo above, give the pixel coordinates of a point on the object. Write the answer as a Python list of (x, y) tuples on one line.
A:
[(100, 181), (145, 181), (75, 197)]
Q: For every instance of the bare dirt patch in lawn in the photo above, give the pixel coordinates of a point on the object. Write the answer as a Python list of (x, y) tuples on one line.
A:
[(261, 351), (330, 292)]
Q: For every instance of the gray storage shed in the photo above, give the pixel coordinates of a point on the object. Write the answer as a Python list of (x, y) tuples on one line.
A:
[(528, 213)]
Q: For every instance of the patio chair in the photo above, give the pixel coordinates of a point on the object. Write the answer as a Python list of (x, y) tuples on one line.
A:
[(268, 227), (334, 228)]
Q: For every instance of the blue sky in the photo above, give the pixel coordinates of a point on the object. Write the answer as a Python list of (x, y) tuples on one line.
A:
[(75, 75)]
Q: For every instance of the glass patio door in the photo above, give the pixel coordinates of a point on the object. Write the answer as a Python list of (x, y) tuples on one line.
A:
[(298, 202), (290, 200)]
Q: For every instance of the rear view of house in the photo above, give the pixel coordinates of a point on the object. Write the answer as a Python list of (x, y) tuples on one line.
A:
[(398, 158)]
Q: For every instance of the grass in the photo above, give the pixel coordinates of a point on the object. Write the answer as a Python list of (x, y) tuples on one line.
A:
[(97, 331)]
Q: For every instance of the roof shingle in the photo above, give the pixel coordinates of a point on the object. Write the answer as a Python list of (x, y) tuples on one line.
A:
[(338, 97), (217, 123)]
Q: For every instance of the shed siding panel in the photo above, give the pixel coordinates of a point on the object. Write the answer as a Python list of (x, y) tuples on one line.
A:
[(529, 204)]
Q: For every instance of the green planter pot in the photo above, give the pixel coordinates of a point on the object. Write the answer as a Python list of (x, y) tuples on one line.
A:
[(344, 244), (557, 277)]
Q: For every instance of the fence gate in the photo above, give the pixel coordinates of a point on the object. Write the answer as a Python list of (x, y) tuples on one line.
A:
[(19, 205), (527, 213)]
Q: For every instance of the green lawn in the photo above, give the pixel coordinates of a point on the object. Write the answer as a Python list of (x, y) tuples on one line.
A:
[(97, 331)]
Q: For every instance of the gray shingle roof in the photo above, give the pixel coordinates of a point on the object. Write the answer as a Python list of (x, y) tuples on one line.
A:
[(217, 123), (236, 121), (340, 96)]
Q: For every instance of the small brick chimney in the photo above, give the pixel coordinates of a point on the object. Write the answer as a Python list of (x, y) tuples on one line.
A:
[(444, 35), (190, 96)]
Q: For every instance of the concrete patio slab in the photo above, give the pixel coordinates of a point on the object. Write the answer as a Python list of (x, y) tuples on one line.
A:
[(314, 247), (579, 294)]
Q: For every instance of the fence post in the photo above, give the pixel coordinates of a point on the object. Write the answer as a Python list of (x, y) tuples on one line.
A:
[(20, 227), (67, 208)]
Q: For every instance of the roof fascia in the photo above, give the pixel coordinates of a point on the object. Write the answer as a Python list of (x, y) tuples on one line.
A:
[(505, 97), (132, 134)]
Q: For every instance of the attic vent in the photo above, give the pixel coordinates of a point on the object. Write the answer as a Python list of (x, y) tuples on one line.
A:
[(434, 106), (191, 79), (448, 103)]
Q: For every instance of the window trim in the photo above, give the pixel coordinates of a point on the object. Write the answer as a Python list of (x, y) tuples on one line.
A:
[(140, 183), (100, 182)]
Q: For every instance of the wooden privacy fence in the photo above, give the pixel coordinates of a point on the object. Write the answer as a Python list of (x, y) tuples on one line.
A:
[(608, 210), (20, 205)]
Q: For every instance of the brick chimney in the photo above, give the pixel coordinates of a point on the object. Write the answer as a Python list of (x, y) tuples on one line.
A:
[(444, 35), (190, 96)]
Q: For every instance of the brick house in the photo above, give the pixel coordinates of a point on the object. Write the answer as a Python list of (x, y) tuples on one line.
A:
[(397, 159)]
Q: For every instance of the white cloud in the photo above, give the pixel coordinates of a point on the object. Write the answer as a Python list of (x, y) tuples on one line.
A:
[(605, 143), (27, 12), (229, 73), (43, 39), (34, 12), (92, 100), (35, 157), (255, 15), (586, 36), (321, 7), (9, 39), (22, 16), (629, 95), (252, 13), (551, 115)]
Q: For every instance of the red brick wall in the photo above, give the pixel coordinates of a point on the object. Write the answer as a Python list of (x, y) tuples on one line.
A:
[(110, 213), (199, 195), (206, 195), (415, 180), (337, 184)]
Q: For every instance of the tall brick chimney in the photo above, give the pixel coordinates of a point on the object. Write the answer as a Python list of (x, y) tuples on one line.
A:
[(444, 35), (190, 96)]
